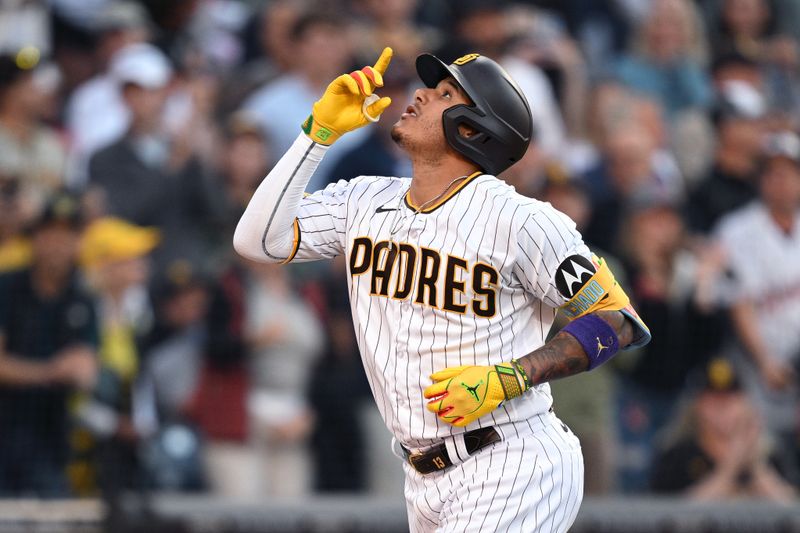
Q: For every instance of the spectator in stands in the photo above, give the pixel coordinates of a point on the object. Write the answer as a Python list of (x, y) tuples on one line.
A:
[(285, 342), (736, 67), (219, 403), (174, 347), (15, 246), (607, 109), (275, 37), (629, 172), (48, 337), (147, 179), (762, 243), (477, 26), (391, 23), (740, 117), (613, 110), (747, 27), (751, 28), (114, 259), (720, 451), (321, 52), (263, 342), (29, 24), (244, 162), (29, 149), (268, 51), (170, 373), (96, 114), (602, 27), (142, 75), (665, 62), (535, 85), (338, 439), (191, 119), (662, 275), (556, 76)]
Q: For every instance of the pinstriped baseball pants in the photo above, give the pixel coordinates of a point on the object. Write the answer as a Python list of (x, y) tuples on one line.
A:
[(531, 481)]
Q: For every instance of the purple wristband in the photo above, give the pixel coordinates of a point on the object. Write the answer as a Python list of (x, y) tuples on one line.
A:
[(598, 339)]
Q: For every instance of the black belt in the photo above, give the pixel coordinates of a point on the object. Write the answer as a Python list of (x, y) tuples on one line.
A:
[(437, 458)]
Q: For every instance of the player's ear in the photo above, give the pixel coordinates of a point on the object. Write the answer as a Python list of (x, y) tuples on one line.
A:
[(465, 130)]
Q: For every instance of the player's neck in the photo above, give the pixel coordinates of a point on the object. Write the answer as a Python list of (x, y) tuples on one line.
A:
[(434, 179)]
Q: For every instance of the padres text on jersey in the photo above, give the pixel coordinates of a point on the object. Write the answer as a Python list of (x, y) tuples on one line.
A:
[(465, 286)]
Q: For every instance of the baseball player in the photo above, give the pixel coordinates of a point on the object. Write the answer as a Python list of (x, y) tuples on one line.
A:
[(454, 282)]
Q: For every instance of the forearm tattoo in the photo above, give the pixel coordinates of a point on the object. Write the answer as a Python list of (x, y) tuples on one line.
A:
[(563, 355)]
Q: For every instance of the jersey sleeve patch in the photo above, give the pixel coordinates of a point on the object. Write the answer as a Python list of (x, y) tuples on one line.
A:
[(572, 274)]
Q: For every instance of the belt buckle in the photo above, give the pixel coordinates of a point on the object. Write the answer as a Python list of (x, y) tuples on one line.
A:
[(413, 457), (437, 462)]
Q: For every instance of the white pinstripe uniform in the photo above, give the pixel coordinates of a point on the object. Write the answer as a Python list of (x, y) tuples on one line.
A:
[(468, 280)]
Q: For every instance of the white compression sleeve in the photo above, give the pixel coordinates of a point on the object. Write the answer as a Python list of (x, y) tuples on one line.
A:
[(266, 230)]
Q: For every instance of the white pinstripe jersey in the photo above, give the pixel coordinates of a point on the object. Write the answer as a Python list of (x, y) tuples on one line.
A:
[(467, 281)]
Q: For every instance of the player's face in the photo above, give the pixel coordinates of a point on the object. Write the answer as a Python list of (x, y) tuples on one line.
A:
[(420, 126)]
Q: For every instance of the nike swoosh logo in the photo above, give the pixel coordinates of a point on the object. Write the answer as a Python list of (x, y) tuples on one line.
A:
[(383, 209)]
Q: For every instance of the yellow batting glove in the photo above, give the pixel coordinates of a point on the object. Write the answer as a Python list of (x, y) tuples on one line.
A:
[(349, 103), (462, 394)]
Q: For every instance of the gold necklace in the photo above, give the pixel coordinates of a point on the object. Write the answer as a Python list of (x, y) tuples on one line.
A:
[(419, 209), (395, 227)]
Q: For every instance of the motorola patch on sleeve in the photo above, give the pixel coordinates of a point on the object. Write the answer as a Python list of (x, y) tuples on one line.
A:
[(572, 274)]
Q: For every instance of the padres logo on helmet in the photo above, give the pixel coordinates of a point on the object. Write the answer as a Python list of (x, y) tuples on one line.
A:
[(499, 113), (465, 59)]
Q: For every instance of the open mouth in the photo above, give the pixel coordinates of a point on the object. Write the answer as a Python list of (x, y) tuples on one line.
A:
[(411, 111)]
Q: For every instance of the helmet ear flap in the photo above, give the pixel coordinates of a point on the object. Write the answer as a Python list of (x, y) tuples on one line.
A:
[(475, 147), (452, 119)]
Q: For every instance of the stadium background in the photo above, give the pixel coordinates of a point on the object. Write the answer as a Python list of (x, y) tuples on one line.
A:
[(210, 394)]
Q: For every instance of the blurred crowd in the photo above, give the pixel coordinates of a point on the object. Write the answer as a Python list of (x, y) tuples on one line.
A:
[(137, 351)]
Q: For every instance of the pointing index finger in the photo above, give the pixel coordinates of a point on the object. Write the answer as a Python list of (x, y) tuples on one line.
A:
[(383, 61)]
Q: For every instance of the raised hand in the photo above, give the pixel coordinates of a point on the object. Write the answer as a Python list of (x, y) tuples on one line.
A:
[(349, 102)]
